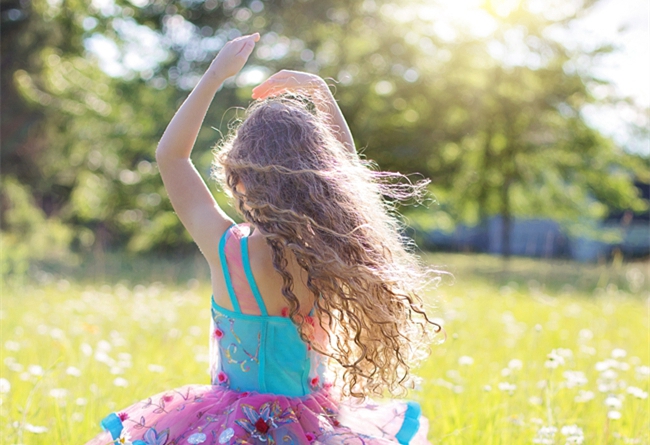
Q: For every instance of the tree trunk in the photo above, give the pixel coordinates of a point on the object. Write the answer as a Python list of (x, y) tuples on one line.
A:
[(506, 219)]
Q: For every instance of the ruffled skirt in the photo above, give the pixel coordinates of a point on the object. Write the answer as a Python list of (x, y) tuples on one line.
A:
[(211, 415)]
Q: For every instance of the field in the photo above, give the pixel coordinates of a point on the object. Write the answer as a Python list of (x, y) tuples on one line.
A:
[(536, 352)]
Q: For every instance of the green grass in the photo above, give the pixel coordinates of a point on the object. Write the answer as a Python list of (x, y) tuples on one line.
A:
[(139, 313)]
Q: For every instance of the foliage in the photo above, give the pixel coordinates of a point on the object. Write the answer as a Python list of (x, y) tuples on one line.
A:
[(493, 116), (29, 235)]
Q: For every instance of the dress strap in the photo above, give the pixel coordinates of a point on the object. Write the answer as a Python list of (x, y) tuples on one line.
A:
[(226, 272), (249, 276)]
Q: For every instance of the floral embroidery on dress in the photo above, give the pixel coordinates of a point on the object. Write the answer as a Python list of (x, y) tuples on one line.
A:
[(232, 349), (222, 378), (260, 424), (152, 437)]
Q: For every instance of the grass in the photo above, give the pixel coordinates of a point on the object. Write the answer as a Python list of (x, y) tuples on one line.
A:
[(74, 349)]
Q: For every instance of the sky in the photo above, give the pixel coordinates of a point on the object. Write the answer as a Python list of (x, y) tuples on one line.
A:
[(625, 23), (629, 68)]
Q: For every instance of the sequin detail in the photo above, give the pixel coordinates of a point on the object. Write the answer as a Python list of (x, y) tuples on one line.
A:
[(226, 435), (197, 438)]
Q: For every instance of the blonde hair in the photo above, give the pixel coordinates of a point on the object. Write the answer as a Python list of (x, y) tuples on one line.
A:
[(308, 195)]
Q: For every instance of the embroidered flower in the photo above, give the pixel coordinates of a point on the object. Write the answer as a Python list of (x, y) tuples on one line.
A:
[(314, 382), (285, 312), (218, 333), (258, 424), (153, 437), (261, 425), (222, 377), (123, 416), (168, 398), (244, 394), (309, 319), (124, 439), (310, 437)]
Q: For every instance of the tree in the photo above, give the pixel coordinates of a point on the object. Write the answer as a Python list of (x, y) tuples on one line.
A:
[(492, 114)]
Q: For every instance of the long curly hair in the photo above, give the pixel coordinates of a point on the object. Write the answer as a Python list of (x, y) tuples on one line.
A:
[(309, 195)]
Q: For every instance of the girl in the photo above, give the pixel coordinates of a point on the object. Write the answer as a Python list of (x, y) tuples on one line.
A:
[(315, 300)]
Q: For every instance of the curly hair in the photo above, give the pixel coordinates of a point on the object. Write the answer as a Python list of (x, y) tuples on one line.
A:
[(309, 195)]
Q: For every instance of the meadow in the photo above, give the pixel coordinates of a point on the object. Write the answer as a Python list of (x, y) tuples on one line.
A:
[(535, 352)]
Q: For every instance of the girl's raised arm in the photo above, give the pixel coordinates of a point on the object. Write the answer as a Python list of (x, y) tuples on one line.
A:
[(189, 195), (297, 81)]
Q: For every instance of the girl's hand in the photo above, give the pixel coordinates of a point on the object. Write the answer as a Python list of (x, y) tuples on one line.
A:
[(288, 81), (233, 56)]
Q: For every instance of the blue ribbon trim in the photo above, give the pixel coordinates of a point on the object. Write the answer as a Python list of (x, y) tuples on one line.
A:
[(411, 423), (113, 425)]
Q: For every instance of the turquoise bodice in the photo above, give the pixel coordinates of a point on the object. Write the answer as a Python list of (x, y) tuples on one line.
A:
[(261, 353)]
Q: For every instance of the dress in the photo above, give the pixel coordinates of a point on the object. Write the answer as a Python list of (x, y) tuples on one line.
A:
[(268, 387)]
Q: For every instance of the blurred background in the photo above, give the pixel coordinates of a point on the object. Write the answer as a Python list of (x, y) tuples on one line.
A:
[(530, 117)]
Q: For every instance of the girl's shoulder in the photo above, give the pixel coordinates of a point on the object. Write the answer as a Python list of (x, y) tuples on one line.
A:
[(270, 282)]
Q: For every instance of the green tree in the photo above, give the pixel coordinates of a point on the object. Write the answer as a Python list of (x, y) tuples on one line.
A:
[(493, 117)]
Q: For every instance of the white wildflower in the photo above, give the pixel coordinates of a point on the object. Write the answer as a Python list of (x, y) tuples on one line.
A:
[(613, 402), (633, 390), (155, 368), (124, 439), (103, 345), (554, 359), (619, 353), (35, 370), (465, 360), (121, 382), (584, 396), (643, 371), (5, 386), (585, 334), (573, 433), (574, 378), (103, 357), (11, 345), (72, 371), (515, 364), (35, 429), (58, 393), (536, 400), (545, 435), (607, 386), (614, 415), (57, 334), (507, 387), (86, 349), (610, 374)]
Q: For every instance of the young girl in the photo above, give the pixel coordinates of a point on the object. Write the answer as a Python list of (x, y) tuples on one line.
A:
[(315, 299)]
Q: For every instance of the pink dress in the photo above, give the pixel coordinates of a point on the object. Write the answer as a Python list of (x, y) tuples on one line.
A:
[(268, 386)]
